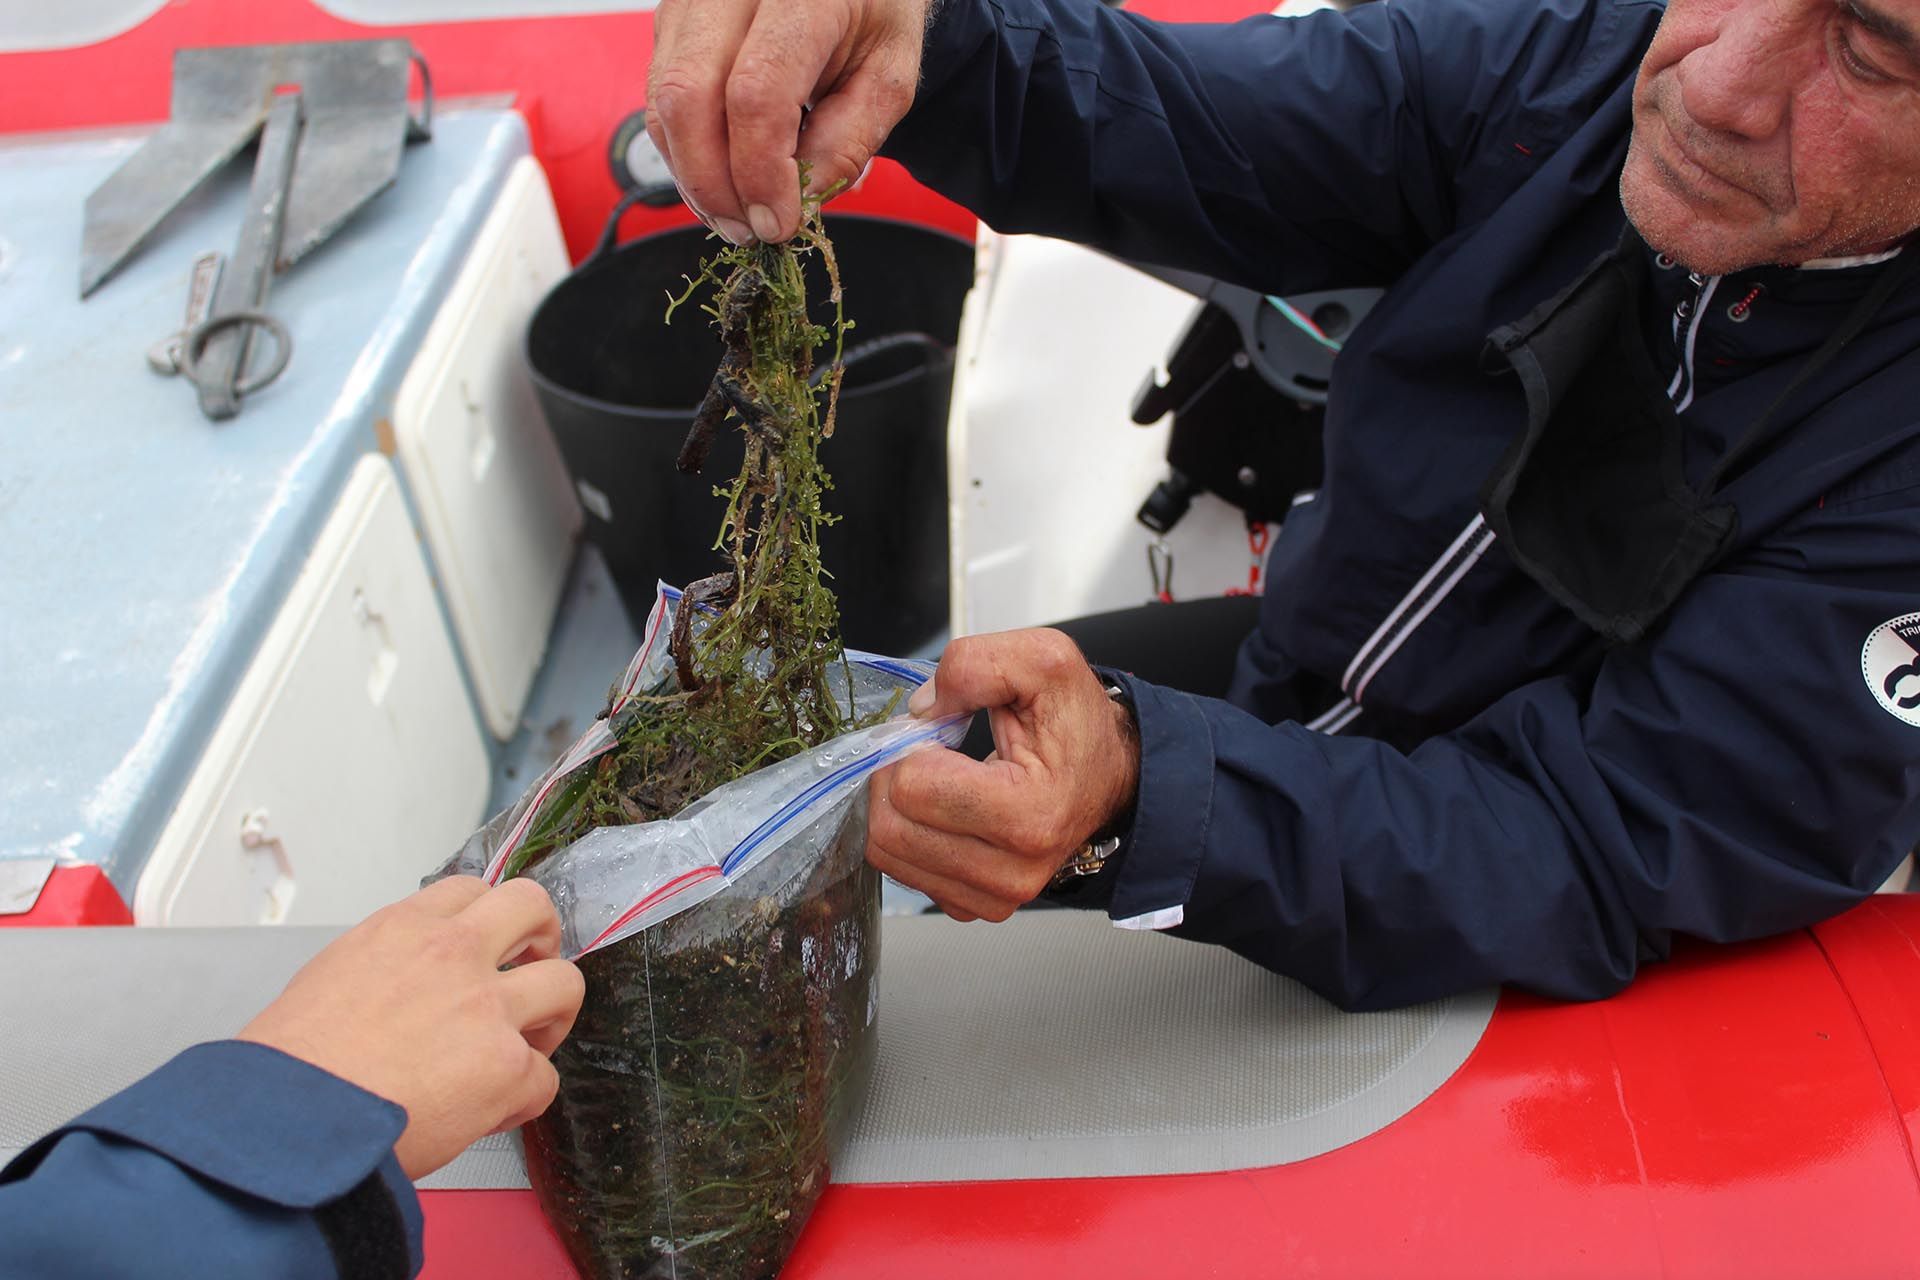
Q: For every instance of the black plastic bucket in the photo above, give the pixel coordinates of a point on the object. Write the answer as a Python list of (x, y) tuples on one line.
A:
[(619, 388)]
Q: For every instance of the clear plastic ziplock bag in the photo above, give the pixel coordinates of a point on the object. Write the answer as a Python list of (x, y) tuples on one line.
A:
[(732, 962)]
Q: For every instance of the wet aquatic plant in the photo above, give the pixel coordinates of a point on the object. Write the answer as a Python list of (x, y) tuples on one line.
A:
[(716, 1052)]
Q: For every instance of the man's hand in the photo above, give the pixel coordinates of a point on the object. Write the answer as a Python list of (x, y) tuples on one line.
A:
[(981, 838), (730, 78), (413, 1005)]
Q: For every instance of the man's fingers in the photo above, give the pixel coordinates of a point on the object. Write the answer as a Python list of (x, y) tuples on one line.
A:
[(539, 1085), (513, 921), (542, 1001), (546, 1037), (849, 124), (657, 131), (687, 95), (449, 897), (962, 902), (1014, 739), (542, 946), (989, 873), (970, 678), (942, 789), (1005, 669), (666, 19), (784, 54), (960, 871), (666, 25)]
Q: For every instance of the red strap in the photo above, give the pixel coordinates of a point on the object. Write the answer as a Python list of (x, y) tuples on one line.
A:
[(1258, 535)]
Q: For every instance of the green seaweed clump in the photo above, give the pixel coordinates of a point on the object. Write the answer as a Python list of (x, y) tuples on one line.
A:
[(718, 1052)]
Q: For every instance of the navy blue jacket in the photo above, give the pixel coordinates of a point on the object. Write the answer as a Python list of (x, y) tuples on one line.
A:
[(1430, 776), (233, 1159)]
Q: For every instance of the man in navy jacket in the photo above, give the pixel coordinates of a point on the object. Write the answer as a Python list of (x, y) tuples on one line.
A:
[(289, 1151), (1605, 624)]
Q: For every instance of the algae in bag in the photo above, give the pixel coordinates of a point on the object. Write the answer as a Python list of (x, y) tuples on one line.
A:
[(704, 844), (707, 1080), (731, 953)]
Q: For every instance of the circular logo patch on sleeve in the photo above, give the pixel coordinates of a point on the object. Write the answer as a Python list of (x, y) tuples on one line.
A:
[(1891, 663)]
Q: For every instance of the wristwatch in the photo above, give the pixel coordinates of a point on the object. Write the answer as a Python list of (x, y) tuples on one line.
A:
[(1090, 859)]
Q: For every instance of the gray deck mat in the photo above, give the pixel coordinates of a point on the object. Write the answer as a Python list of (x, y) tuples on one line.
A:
[(1058, 1046), (1051, 1046)]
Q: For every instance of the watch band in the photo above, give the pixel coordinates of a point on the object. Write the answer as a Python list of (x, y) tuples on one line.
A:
[(1090, 859)]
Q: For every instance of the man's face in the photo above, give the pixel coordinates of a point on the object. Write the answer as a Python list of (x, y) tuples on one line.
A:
[(1776, 131)]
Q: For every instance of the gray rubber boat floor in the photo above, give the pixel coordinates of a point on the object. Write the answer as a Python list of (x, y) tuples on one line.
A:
[(1051, 1046)]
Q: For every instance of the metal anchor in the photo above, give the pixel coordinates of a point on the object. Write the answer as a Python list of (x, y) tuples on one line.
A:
[(332, 120)]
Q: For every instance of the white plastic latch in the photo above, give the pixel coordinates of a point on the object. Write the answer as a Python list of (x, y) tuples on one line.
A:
[(273, 871), (386, 660)]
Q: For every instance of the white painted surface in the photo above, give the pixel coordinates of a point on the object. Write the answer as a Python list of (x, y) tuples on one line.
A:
[(1047, 466), (147, 550), (21, 882), (479, 462), (25, 25), (348, 763)]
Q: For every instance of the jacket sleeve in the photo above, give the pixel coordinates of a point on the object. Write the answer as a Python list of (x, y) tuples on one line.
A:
[(233, 1159), (1284, 154), (1733, 776)]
